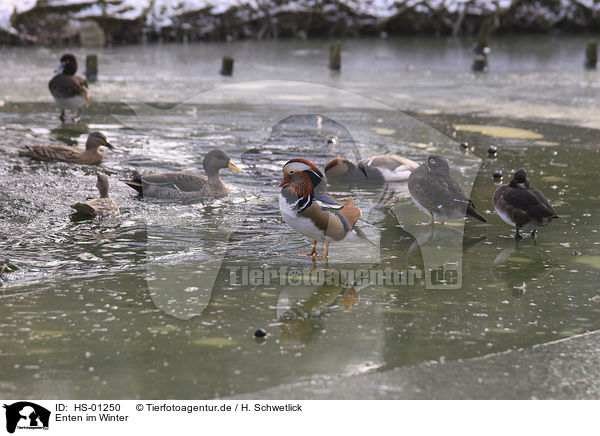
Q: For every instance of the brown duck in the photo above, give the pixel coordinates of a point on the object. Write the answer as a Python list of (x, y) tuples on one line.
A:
[(522, 206), (436, 193), (62, 153), (70, 91), (100, 206)]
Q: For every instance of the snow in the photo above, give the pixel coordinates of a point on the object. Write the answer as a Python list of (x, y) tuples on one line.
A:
[(7, 7), (160, 13)]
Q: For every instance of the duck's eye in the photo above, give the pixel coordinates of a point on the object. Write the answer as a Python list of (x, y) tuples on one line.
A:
[(292, 172)]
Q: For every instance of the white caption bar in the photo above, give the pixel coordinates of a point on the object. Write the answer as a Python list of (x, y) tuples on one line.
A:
[(262, 417)]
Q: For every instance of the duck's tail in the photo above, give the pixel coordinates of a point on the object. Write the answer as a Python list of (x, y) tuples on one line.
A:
[(472, 212), (135, 183)]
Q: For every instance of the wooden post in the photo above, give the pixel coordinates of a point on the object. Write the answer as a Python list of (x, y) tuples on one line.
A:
[(591, 54), (227, 66), (335, 56), (91, 67)]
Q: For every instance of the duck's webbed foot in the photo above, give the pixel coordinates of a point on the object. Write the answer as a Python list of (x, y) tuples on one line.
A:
[(313, 252)]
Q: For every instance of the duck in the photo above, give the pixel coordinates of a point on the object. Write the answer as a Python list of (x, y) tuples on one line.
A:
[(182, 185), (100, 206), (310, 211), (387, 167), (436, 193), (380, 168), (521, 206), (69, 91), (62, 153)]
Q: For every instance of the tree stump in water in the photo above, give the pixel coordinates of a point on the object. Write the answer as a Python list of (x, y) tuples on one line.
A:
[(227, 66), (91, 67), (335, 56), (591, 54), (481, 48)]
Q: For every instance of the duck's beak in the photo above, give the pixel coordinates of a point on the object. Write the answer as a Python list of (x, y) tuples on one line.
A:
[(109, 145), (60, 68), (233, 167), (284, 182)]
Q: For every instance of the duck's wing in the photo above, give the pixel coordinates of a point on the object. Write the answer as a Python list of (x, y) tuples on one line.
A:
[(542, 198), (84, 207), (531, 201), (347, 212), (456, 191), (326, 201), (459, 196), (98, 206), (431, 191), (63, 86), (51, 153), (183, 182)]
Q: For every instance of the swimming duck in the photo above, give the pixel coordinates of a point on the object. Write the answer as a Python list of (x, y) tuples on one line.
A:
[(69, 91), (436, 193), (187, 185), (315, 214), (100, 206), (387, 167), (522, 206), (63, 153)]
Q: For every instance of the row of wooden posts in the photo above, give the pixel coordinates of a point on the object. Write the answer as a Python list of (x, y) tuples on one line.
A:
[(480, 62)]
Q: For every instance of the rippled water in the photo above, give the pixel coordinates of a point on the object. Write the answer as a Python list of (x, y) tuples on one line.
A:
[(79, 297)]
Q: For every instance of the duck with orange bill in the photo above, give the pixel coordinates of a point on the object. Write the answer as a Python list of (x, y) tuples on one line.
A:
[(313, 213)]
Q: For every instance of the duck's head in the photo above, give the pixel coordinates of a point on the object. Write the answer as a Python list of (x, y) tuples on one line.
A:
[(216, 160), (519, 180), (338, 167), (68, 64), (302, 176), (102, 185), (437, 165), (97, 139)]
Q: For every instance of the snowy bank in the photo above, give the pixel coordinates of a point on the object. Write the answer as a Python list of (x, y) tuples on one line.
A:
[(58, 21)]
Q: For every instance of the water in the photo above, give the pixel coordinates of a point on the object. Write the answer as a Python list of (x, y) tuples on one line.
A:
[(79, 297)]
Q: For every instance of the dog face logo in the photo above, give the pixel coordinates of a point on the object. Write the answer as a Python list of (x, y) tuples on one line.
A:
[(26, 415)]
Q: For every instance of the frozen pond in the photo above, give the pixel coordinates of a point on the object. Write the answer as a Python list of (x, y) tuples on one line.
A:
[(87, 305)]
